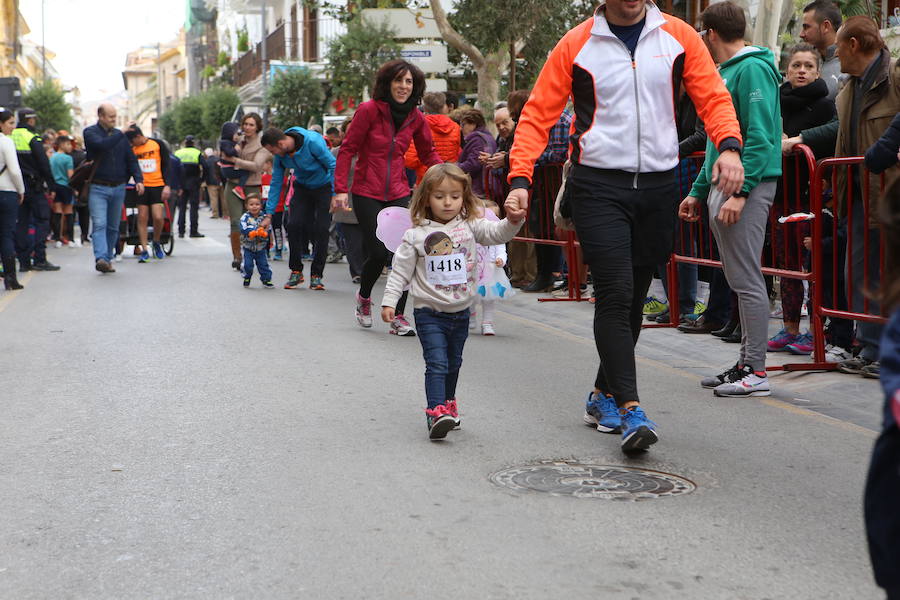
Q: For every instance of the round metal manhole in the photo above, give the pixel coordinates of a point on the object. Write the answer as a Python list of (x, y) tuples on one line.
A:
[(580, 480)]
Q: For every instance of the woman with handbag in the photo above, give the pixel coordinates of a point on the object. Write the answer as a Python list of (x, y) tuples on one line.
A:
[(12, 192)]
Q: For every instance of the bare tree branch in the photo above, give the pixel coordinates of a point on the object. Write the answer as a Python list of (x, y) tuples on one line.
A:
[(452, 37)]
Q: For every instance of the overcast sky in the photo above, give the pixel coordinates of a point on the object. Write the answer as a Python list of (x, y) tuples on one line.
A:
[(92, 37)]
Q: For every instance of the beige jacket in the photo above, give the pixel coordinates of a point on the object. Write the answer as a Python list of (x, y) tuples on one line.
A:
[(251, 158), (880, 104), (450, 241)]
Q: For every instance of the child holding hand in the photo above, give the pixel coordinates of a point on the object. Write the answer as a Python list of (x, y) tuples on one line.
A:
[(437, 259), (255, 242)]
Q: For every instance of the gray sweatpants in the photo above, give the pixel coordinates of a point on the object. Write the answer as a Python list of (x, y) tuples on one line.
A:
[(740, 248)]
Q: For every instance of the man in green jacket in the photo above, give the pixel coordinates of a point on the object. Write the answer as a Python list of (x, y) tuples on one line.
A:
[(739, 222)]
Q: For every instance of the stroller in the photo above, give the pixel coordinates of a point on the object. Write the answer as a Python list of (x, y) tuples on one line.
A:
[(128, 228)]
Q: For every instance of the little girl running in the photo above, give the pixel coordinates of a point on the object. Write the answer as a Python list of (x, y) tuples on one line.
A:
[(437, 259)]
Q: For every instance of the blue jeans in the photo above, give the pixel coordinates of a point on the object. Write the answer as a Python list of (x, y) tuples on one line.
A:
[(106, 214), (442, 336), (261, 260), (9, 208)]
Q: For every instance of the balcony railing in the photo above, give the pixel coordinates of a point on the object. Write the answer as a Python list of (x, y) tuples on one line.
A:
[(310, 45)]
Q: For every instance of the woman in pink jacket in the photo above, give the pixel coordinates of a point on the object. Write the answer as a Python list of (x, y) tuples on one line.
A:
[(380, 133)]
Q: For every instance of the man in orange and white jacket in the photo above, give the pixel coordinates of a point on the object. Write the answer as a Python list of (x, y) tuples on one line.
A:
[(623, 69)]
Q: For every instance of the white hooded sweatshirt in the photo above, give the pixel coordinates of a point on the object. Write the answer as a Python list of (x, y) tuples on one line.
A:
[(439, 262)]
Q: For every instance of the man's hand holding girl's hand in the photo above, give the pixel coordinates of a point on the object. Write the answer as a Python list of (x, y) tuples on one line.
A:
[(387, 314), (516, 205)]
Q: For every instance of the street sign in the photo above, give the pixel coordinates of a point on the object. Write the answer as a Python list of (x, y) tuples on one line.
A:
[(431, 58)]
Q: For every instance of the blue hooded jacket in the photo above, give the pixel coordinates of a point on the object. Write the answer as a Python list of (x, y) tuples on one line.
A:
[(312, 162)]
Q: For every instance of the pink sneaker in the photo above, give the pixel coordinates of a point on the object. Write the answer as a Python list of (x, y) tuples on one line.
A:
[(781, 340), (453, 411), (363, 311)]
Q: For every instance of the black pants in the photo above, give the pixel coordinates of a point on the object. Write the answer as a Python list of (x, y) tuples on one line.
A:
[(309, 210), (353, 241), (625, 231), (191, 194), (84, 222), (35, 210), (376, 254), (277, 230)]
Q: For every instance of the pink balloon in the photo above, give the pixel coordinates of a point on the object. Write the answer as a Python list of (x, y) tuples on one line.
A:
[(393, 222)]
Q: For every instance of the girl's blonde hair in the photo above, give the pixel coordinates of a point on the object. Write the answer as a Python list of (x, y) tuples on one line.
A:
[(419, 208)]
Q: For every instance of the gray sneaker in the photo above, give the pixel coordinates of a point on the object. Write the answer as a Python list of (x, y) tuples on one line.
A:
[(854, 366), (733, 374), (872, 370), (750, 385)]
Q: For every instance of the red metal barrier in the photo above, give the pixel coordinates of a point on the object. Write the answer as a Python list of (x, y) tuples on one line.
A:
[(782, 256), (542, 197), (854, 169)]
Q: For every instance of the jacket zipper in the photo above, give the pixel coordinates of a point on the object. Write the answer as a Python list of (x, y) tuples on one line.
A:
[(637, 104)]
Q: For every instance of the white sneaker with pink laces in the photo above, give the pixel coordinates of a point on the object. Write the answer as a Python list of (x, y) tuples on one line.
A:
[(400, 326), (363, 311)]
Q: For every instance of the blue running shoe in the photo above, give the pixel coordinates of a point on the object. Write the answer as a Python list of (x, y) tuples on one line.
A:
[(600, 411), (638, 432), (158, 251), (145, 256)]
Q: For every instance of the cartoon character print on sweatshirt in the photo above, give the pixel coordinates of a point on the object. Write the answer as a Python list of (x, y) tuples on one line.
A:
[(440, 243)]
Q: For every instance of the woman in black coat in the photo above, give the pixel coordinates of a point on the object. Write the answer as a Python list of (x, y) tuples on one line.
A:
[(804, 104)]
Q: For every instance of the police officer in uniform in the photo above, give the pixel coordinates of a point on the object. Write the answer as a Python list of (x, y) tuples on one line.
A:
[(38, 182), (189, 156)]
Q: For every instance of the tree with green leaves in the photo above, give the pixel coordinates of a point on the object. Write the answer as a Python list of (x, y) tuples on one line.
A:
[(189, 117), (295, 97), (49, 101), (219, 104), (355, 56)]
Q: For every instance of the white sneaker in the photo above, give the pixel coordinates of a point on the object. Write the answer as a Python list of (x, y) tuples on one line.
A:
[(836, 354), (750, 385), (487, 329), (72, 244), (118, 258), (363, 310), (400, 326), (78, 243), (58, 244)]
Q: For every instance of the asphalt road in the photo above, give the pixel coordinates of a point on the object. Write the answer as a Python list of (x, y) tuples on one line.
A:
[(169, 434)]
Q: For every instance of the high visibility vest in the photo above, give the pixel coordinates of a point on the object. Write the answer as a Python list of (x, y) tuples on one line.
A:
[(189, 156), (22, 138)]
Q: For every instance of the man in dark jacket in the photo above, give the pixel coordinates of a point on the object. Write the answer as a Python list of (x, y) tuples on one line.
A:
[(116, 162), (35, 208)]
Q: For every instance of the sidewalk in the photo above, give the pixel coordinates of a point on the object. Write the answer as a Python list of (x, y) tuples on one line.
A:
[(849, 398)]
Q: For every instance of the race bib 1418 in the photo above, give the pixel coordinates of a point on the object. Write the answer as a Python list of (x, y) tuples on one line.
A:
[(449, 269)]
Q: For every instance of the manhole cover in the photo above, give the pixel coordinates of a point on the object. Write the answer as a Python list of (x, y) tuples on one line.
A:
[(570, 478)]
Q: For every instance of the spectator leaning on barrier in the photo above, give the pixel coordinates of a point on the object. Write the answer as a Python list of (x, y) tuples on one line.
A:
[(116, 162), (739, 220), (866, 105), (616, 190)]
